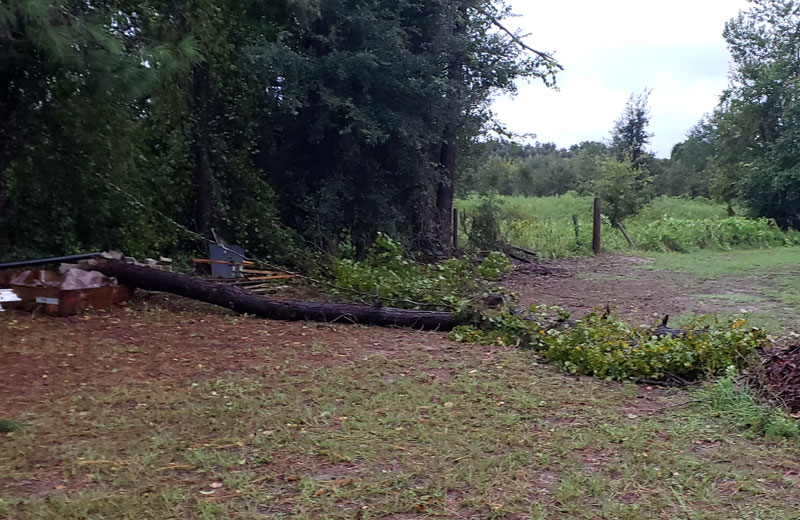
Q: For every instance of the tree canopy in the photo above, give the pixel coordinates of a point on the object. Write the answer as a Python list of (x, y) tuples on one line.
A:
[(630, 137), (757, 124), (143, 125), (125, 123)]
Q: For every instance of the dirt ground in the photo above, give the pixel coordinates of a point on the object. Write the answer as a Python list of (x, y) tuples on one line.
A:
[(582, 284), (109, 349), (106, 349)]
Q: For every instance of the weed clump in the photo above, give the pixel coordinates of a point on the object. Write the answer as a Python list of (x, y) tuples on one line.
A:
[(729, 397), (685, 236)]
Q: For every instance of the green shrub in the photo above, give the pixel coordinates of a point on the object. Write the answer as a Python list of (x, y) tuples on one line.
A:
[(681, 235), (609, 348), (613, 349), (623, 188), (484, 230), (388, 274), (495, 265)]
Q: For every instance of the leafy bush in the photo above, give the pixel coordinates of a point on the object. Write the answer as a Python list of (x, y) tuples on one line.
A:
[(613, 349), (388, 274), (623, 188), (485, 224), (609, 348), (495, 265), (681, 235)]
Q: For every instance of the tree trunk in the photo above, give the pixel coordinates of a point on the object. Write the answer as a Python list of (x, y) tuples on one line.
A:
[(11, 135), (5, 239), (243, 302), (201, 149), (446, 190), (449, 148)]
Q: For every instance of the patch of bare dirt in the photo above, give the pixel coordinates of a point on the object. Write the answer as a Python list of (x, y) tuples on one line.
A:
[(580, 285), (115, 347)]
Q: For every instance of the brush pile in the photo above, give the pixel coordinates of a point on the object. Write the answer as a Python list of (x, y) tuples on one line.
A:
[(779, 374)]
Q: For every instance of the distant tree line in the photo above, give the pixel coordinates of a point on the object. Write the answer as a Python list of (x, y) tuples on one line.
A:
[(746, 151), (543, 169)]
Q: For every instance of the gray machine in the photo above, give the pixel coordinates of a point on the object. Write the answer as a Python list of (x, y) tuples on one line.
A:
[(233, 255)]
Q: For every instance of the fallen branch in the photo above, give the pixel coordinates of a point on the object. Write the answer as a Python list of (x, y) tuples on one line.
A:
[(526, 251), (243, 302), (624, 231), (519, 258)]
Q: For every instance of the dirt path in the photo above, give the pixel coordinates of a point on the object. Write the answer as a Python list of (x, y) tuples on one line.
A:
[(582, 284)]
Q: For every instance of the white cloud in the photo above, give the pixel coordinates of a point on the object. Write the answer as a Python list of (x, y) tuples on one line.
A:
[(611, 49)]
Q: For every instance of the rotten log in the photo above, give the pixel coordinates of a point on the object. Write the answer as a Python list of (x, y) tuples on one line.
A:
[(240, 301)]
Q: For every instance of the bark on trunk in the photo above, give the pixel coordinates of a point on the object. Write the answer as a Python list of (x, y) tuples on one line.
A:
[(445, 191), (243, 302), (11, 135), (201, 149), (448, 152), (5, 239)]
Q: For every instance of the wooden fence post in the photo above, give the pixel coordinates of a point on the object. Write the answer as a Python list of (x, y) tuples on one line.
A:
[(577, 230), (596, 228)]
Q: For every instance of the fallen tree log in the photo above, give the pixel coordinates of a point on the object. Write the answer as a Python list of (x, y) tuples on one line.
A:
[(239, 300)]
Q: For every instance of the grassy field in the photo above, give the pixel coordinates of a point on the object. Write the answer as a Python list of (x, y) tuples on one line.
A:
[(244, 418), (710, 264), (667, 224)]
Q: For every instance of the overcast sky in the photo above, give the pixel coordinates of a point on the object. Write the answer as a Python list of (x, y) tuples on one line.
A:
[(612, 48)]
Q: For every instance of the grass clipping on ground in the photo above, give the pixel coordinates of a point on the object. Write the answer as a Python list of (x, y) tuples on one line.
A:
[(607, 347)]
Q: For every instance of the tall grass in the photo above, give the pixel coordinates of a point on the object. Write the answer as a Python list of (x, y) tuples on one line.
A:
[(545, 225), (683, 208), (733, 400)]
